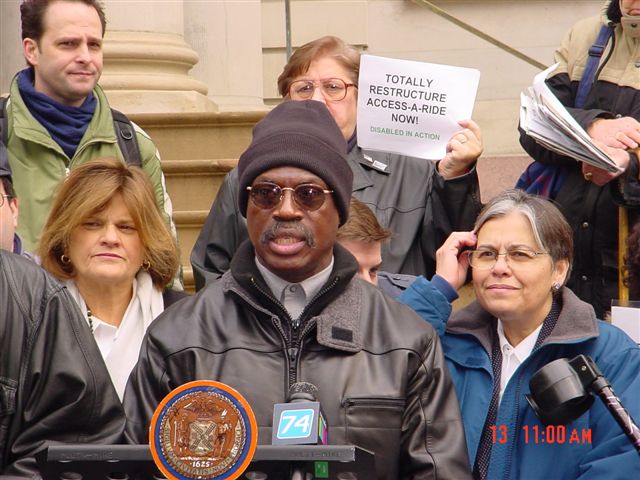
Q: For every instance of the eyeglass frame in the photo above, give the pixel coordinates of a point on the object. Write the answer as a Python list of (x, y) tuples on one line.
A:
[(496, 254), (293, 194), (3, 196), (314, 82)]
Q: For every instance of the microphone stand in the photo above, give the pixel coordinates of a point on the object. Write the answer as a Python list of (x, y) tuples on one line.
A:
[(592, 378)]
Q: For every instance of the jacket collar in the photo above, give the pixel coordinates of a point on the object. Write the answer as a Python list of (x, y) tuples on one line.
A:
[(361, 161), (25, 126), (369, 159), (576, 323), (336, 309), (610, 12)]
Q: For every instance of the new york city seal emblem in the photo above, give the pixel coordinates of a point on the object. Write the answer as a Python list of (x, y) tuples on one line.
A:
[(203, 430)]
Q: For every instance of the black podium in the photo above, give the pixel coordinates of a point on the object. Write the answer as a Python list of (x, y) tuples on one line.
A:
[(270, 462)]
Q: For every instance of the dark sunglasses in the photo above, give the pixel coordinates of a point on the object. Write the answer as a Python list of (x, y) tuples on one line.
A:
[(268, 195)]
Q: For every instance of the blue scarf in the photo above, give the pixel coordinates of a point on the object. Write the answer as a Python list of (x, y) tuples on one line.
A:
[(541, 179), (65, 124)]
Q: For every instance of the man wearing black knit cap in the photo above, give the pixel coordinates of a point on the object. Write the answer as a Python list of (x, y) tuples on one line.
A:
[(291, 309)]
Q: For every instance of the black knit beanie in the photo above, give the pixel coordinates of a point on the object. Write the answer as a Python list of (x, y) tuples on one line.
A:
[(299, 134)]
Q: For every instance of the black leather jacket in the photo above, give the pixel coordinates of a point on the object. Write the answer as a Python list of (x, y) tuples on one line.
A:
[(54, 386), (407, 194), (379, 367)]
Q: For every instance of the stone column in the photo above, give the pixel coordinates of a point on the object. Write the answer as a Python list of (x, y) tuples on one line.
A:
[(147, 61), (227, 34), (11, 58)]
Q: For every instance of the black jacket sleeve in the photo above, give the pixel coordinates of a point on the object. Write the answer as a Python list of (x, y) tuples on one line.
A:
[(626, 189), (433, 442), (453, 206), (63, 392), (224, 230)]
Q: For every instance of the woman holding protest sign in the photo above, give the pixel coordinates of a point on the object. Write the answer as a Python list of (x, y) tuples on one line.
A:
[(421, 201)]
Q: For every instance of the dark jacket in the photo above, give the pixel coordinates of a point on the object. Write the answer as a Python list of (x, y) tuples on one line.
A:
[(592, 211), (393, 284), (407, 194), (378, 367), (54, 386)]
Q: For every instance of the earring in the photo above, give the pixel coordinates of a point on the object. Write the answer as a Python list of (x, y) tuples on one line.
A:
[(146, 265), (555, 288), (64, 259)]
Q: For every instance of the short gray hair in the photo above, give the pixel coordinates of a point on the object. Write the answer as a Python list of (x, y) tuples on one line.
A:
[(550, 229)]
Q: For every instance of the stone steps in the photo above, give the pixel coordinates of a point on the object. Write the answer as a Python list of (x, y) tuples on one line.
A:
[(197, 151)]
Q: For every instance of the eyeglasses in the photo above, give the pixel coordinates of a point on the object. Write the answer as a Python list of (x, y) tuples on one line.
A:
[(332, 88), (2, 197), (485, 259), (307, 196)]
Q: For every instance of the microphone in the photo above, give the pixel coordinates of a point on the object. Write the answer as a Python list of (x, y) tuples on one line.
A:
[(561, 392), (300, 421)]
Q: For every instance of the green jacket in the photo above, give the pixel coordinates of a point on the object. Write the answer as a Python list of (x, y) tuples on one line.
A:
[(38, 163)]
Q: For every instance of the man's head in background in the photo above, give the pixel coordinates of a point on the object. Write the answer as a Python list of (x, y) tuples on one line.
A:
[(62, 41), (363, 235), (8, 204)]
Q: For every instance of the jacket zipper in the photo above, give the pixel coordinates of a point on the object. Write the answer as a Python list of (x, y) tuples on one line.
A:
[(294, 345), (93, 141), (297, 337), (295, 351), (291, 351), (326, 289), (379, 402)]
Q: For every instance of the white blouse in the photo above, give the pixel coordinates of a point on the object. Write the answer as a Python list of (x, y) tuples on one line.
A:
[(513, 357), (120, 346)]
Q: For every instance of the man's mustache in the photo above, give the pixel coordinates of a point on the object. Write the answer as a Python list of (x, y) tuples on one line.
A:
[(294, 226)]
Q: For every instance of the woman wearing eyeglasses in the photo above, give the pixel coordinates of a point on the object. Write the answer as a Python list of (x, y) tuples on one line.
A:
[(106, 240), (421, 201), (520, 254)]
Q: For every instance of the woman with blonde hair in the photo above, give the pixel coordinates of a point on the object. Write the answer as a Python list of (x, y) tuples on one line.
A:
[(106, 240)]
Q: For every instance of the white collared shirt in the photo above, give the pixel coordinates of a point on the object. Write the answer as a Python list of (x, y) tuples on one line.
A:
[(120, 346), (512, 357), (295, 296)]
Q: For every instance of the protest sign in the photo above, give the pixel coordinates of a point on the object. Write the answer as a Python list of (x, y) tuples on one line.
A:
[(412, 108)]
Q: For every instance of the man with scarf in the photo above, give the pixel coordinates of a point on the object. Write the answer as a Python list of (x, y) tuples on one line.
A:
[(57, 116), (609, 110)]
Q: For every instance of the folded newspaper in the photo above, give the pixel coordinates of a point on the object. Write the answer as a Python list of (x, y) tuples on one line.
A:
[(547, 121)]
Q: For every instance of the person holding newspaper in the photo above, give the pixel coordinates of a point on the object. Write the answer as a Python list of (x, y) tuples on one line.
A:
[(604, 98), (420, 200)]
